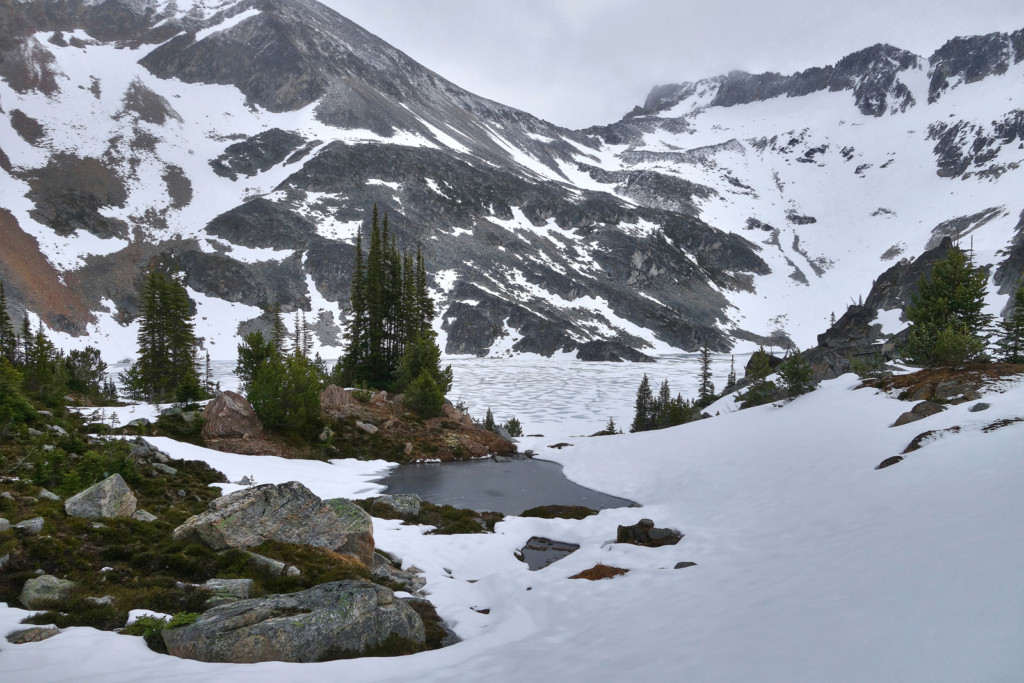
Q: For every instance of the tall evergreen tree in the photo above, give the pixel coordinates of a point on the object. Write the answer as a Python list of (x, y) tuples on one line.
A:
[(8, 335), (730, 382), (1011, 341), (948, 325), (796, 374), (166, 340), (706, 390), (644, 407)]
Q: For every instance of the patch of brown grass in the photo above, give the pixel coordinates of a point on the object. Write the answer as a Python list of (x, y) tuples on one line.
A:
[(911, 383), (600, 571)]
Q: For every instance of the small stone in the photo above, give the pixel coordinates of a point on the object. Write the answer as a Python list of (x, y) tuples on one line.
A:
[(181, 493), (34, 432), (368, 428), (978, 407), (143, 516), (58, 430), (105, 600), (684, 565), (889, 462), (245, 481), (266, 564), (4, 560), (48, 448), (408, 448), (164, 469), (293, 571), (32, 527), (32, 635), (48, 495), (5, 525), (7, 494)]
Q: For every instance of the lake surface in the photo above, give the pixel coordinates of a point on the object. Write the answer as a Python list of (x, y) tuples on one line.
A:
[(490, 486)]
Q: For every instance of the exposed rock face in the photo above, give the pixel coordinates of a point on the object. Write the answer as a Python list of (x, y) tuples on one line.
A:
[(32, 635), (919, 412), (289, 513), (230, 416), (45, 590), (109, 498), (313, 625)]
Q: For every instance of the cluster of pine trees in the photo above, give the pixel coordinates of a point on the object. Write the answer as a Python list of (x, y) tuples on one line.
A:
[(167, 367), (391, 342), (948, 324), (33, 369)]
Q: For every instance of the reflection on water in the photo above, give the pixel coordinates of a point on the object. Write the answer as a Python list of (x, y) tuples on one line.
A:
[(487, 485)]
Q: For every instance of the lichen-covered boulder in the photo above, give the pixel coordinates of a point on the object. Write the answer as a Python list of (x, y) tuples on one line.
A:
[(406, 505), (337, 403), (289, 513), (230, 416), (109, 498), (324, 622), (360, 529), (645, 533), (45, 590)]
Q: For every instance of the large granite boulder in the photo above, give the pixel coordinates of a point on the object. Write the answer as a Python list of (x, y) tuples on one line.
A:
[(231, 416), (109, 498), (289, 513), (322, 623), (337, 403), (43, 591)]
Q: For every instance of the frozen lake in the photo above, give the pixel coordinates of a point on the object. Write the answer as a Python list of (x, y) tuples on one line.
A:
[(556, 397)]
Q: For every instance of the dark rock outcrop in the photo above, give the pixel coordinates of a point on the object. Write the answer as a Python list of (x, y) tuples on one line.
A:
[(645, 533), (325, 622)]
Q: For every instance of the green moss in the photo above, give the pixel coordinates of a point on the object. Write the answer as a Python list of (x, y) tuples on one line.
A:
[(559, 512)]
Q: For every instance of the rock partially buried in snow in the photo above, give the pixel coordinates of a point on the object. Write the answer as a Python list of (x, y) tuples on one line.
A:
[(230, 416), (318, 624), (645, 533), (889, 462), (289, 513), (109, 498), (32, 635), (919, 412), (45, 590)]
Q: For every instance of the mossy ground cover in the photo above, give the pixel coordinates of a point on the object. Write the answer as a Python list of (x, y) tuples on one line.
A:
[(137, 564), (445, 518)]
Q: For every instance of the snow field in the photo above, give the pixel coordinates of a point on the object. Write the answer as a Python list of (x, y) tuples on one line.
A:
[(812, 565)]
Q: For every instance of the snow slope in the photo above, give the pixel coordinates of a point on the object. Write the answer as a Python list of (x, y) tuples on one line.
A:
[(811, 565)]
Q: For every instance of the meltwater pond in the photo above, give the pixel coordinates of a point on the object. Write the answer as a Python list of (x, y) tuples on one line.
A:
[(509, 487)]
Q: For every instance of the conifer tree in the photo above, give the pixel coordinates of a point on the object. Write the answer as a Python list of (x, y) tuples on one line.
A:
[(1011, 341), (948, 325), (706, 390), (760, 390), (8, 335), (796, 374), (489, 424), (730, 382), (662, 407), (643, 407), (166, 340)]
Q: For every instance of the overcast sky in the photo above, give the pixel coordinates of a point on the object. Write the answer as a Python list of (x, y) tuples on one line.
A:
[(582, 62)]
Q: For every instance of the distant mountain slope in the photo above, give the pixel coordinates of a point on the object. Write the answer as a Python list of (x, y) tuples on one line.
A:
[(245, 141)]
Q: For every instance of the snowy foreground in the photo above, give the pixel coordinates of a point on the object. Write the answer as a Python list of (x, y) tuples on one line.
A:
[(812, 565)]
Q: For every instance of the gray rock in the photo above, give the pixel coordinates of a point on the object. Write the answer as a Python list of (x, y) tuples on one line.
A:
[(266, 564), (105, 600), (48, 495), (407, 505), (224, 591), (44, 590), (34, 432), (645, 533), (5, 525), (32, 635), (368, 428), (109, 498), (293, 571), (978, 407), (684, 565), (231, 416), (408, 579), (245, 481), (289, 513), (4, 560), (7, 494), (359, 527), (58, 430), (919, 412), (313, 625), (165, 469), (49, 448), (30, 527), (143, 516)]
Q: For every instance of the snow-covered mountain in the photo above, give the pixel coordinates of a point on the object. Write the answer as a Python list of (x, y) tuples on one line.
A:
[(245, 141)]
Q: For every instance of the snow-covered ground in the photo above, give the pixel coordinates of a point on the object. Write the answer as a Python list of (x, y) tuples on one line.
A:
[(811, 565)]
